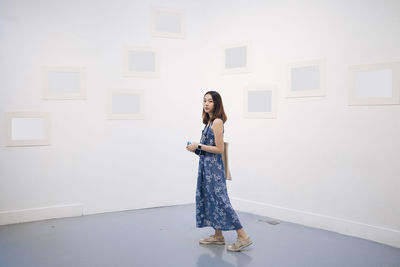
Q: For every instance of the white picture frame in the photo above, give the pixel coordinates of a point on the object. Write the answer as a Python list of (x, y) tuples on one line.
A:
[(167, 23), (27, 128), (125, 104), (374, 84), (139, 61), (236, 58), (63, 82), (260, 101), (306, 78)]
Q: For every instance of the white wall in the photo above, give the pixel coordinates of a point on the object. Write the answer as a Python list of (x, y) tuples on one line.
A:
[(321, 163), (95, 164)]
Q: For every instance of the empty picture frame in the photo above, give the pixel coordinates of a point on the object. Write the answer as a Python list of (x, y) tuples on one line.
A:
[(167, 23), (260, 101), (236, 58), (141, 62), (374, 84), (63, 82), (306, 78), (27, 128), (125, 104)]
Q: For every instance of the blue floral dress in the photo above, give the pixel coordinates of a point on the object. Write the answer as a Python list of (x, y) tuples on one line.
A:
[(213, 207)]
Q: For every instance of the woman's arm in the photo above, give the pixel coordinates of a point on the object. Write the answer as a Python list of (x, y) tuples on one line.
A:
[(219, 139)]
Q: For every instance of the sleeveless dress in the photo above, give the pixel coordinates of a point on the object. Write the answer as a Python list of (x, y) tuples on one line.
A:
[(213, 207)]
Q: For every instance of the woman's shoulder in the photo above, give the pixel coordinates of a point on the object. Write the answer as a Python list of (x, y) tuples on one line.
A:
[(218, 124), (218, 121)]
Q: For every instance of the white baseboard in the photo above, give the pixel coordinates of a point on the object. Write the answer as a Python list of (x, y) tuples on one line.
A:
[(379, 234), (42, 213)]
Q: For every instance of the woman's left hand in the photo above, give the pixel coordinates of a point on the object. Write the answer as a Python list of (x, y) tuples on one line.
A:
[(192, 147)]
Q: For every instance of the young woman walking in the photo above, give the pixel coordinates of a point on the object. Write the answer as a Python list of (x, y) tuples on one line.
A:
[(213, 207)]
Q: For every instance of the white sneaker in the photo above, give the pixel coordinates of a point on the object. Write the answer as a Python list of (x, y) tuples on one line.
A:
[(217, 240), (240, 244)]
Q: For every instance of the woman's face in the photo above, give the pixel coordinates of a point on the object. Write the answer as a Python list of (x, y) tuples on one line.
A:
[(208, 103)]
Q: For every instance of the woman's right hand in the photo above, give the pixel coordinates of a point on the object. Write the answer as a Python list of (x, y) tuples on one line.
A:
[(192, 147)]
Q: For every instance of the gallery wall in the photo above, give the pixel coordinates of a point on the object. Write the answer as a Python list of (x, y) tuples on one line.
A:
[(318, 160), (94, 164), (321, 162)]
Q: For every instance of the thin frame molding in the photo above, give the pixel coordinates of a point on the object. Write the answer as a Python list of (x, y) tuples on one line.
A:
[(163, 34), (46, 95), (246, 69), (307, 93), (394, 100), (112, 116), (274, 98), (142, 74), (8, 116)]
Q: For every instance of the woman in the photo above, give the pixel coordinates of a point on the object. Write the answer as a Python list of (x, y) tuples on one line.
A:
[(213, 207)]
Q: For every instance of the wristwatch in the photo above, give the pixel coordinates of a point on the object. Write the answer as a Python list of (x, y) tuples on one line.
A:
[(199, 146)]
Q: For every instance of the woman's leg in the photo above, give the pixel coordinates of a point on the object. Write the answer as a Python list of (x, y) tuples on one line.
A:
[(218, 232), (242, 234)]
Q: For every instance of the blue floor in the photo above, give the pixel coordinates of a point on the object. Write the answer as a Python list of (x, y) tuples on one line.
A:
[(168, 237)]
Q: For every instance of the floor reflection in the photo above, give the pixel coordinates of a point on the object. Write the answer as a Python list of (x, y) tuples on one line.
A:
[(219, 256)]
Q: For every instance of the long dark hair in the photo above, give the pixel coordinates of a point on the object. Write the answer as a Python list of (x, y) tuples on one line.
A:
[(218, 111)]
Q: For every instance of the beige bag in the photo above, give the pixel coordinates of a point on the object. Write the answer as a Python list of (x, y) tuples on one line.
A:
[(225, 160)]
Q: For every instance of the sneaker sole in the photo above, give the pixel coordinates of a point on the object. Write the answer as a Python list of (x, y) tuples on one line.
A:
[(242, 247), (211, 243)]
